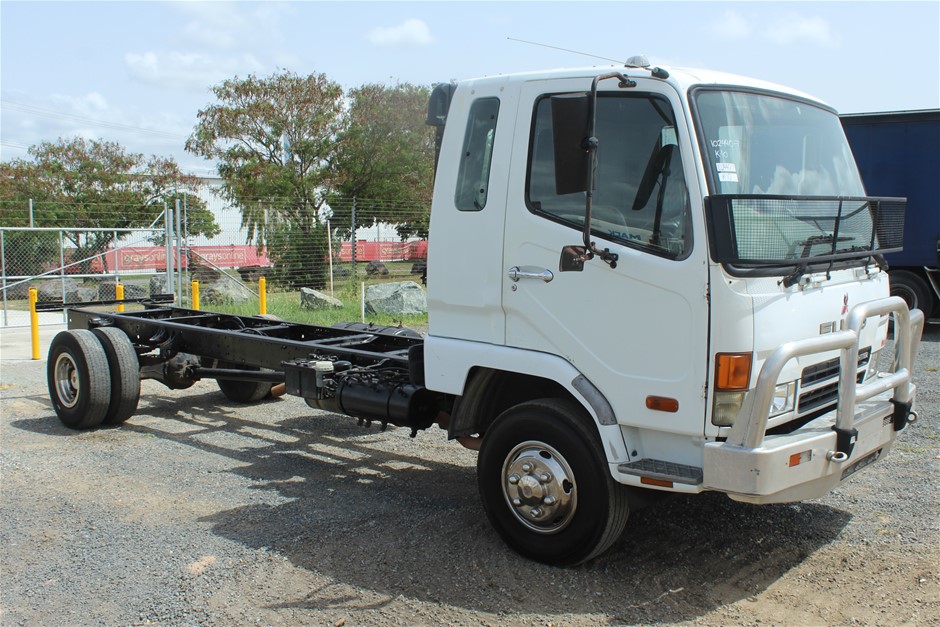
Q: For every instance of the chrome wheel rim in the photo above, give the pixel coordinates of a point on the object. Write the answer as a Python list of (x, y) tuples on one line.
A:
[(539, 487), (66, 380)]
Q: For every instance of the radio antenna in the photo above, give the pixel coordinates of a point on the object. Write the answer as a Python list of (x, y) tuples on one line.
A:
[(586, 54)]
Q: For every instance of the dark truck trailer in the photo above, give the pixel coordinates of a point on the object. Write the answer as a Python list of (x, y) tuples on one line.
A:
[(898, 154)]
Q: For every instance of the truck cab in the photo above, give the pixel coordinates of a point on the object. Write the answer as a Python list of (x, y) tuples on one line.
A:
[(679, 265)]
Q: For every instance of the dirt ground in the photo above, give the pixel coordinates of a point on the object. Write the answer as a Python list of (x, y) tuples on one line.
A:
[(201, 511)]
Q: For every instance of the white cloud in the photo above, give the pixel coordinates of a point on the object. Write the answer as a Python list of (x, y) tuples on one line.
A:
[(226, 25), (191, 70), (411, 32), (796, 29), (731, 25)]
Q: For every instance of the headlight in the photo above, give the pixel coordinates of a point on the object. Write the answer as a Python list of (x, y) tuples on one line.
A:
[(782, 402), (726, 407)]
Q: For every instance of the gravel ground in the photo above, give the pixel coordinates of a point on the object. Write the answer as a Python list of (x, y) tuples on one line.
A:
[(200, 511)]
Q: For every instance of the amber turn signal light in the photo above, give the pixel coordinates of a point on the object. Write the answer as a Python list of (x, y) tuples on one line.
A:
[(662, 403), (732, 371)]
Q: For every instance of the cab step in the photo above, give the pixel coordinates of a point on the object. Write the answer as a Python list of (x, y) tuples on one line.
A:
[(663, 471)]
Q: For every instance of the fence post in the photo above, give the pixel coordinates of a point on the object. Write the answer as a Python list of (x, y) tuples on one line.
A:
[(168, 236), (65, 315), (196, 295), (3, 262), (117, 264), (354, 238), (179, 257), (329, 248), (34, 322), (119, 295), (31, 225), (263, 295)]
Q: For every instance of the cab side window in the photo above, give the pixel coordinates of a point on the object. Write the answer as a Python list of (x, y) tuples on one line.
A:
[(473, 175), (640, 194)]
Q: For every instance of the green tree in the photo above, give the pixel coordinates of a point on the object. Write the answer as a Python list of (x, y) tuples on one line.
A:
[(385, 157), (93, 184), (274, 141)]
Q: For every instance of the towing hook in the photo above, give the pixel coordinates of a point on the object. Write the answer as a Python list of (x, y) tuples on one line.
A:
[(836, 457), (911, 417)]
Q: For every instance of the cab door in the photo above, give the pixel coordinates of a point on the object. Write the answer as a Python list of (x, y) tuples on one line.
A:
[(638, 328)]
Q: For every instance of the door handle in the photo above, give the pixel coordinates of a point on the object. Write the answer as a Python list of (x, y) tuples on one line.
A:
[(516, 273)]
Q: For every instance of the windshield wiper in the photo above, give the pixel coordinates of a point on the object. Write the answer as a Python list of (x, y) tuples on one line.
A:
[(827, 238)]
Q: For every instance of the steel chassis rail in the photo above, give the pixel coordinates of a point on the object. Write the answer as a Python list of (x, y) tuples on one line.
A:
[(251, 341)]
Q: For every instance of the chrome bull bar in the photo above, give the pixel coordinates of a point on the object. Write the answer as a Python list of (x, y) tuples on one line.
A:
[(751, 423)]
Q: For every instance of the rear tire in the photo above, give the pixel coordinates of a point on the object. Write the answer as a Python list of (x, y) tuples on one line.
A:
[(545, 484), (124, 369), (78, 379)]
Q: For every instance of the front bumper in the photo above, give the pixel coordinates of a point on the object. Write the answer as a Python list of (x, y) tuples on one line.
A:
[(807, 463)]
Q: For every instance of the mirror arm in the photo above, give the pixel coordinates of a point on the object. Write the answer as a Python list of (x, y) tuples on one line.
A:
[(590, 145)]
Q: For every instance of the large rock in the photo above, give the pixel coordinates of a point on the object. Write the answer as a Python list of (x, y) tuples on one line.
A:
[(251, 274), (82, 295), (223, 293), (376, 268), (158, 284), (18, 290), (108, 290), (312, 299), (203, 272), (53, 290), (132, 290), (406, 298)]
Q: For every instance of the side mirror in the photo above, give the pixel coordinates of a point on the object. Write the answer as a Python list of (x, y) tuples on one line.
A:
[(570, 127)]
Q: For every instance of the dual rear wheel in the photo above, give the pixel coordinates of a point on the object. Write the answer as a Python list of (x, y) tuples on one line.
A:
[(93, 377)]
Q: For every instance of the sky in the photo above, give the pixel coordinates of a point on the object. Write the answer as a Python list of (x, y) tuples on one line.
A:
[(139, 72)]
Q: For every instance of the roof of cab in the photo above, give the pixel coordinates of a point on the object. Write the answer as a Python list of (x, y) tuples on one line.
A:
[(681, 78)]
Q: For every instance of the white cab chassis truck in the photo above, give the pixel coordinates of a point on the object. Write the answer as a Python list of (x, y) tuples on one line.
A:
[(639, 279)]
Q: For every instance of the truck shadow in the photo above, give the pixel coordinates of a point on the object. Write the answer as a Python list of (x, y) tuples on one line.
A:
[(402, 518), (406, 523)]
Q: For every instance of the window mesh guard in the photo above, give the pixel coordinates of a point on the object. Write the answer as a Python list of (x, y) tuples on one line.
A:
[(782, 230)]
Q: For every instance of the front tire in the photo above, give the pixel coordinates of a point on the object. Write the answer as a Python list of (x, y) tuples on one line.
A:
[(78, 378), (545, 485)]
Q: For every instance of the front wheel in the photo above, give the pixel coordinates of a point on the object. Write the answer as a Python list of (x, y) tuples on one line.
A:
[(545, 485)]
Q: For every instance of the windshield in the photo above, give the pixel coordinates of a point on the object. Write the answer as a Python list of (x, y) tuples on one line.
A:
[(784, 187), (763, 144)]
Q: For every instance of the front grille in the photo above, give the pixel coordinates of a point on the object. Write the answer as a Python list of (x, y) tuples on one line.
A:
[(825, 394)]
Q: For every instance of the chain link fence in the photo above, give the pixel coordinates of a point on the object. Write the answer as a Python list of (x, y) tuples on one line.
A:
[(355, 261)]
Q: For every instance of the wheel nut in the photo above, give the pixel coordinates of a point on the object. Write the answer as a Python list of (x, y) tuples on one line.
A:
[(514, 479), (517, 502), (549, 500), (545, 477), (536, 512), (527, 467)]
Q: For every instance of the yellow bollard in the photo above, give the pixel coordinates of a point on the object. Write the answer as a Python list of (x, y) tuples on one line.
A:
[(262, 295), (119, 294), (196, 295), (34, 321)]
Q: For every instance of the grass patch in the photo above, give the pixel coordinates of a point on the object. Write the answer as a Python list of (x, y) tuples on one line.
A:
[(286, 305)]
